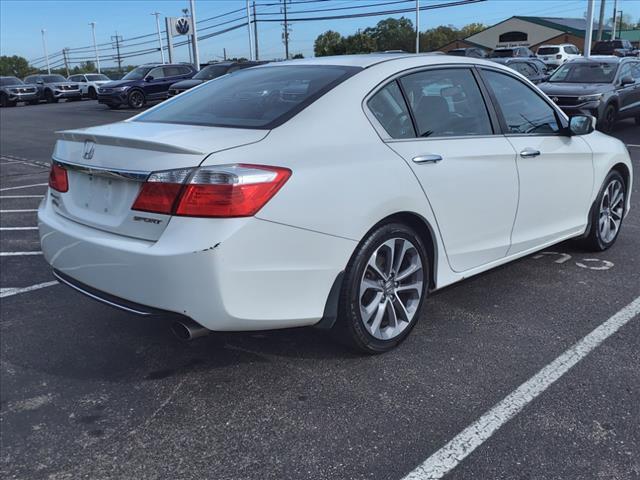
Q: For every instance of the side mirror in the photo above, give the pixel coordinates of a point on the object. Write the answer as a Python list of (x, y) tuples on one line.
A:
[(148, 78), (582, 124), (627, 80)]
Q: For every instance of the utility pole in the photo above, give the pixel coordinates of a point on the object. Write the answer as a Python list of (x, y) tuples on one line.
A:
[(255, 31), (196, 53), (251, 57), (417, 26), (65, 52), (224, 54), (117, 39), (589, 33), (285, 34), (157, 15), (615, 19), (601, 19), (169, 39), (46, 55), (95, 47)]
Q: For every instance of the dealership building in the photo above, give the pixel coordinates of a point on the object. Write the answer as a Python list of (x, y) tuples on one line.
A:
[(532, 32)]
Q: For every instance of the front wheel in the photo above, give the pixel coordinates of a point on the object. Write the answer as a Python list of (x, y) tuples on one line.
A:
[(48, 96), (607, 213), (92, 93), (609, 117), (4, 102), (384, 287), (136, 99)]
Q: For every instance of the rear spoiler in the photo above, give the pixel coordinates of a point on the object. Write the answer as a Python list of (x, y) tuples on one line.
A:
[(79, 136)]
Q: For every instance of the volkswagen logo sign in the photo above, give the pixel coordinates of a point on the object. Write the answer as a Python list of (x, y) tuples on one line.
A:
[(182, 26), (88, 150), (555, 99)]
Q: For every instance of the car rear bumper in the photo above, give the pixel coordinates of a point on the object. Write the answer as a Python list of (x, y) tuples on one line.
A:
[(225, 274)]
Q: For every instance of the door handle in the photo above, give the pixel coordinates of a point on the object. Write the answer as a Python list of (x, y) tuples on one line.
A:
[(529, 152), (431, 158)]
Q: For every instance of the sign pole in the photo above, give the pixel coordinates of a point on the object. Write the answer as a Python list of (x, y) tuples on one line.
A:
[(196, 53), (169, 38)]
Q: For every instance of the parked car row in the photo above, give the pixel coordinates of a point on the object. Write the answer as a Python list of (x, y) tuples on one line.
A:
[(145, 83)]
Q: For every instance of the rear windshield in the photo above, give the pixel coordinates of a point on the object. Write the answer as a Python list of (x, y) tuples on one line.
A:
[(209, 73), (585, 73), (548, 50), (503, 52), (260, 98)]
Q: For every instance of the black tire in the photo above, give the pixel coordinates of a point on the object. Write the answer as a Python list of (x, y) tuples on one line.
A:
[(638, 120), (4, 101), (608, 120), (92, 93), (48, 96), (136, 99), (350, 327), (594, 240)]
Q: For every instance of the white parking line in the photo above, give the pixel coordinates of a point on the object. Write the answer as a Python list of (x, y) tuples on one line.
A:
[(23, 186), (20, 210), (449, 456), (10, 229), (18, 254), (632, 145), (7, 197), (7, 292)]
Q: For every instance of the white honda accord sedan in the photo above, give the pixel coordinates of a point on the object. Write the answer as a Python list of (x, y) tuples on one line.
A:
[(335, 192)]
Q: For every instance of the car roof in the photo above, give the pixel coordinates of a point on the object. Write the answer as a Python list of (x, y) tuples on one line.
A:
[(362, 60), (598, 59)]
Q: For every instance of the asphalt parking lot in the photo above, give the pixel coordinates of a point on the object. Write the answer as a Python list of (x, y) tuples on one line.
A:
[(91, 392)]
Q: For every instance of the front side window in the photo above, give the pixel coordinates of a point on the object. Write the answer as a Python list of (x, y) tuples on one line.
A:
[(524, 111), (390, 110), (635, 71), (446, 103), (260, 98), (625, 71)]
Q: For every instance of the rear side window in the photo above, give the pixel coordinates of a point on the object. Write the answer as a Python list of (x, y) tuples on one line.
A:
[(446, 103), (391, 111), (171, 71), (524, 111), (261, 98)]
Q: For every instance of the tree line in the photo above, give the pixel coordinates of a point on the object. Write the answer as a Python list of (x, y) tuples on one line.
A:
[(391, 34)]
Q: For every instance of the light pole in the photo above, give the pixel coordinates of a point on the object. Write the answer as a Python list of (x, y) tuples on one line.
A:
[(589, 32), (196, 53), (615, 19), (95, 47), (157, 15), (46, 55), (417, 26), (251, 56)]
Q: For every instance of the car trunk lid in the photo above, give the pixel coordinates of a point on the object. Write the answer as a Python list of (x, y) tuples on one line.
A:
[(107, 165)]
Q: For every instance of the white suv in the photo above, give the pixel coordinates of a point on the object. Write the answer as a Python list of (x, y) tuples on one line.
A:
[(557, 55), (89, 83)]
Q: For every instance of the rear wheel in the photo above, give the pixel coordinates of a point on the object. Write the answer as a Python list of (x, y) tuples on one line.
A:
[(136, 99), (384, 287), (609, 116), (607, 213)]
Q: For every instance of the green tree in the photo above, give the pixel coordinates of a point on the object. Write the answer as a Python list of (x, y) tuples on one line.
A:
[(328, 43), (297, 55), (434, 38), (359, 42), (471, 29), (393, 34), (15, 66)]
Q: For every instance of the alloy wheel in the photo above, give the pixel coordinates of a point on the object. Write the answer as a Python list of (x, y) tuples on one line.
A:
[(391, 288), (611, 211), (136, 99)]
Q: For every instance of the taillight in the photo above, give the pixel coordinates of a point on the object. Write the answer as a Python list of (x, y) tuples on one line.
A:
[(58, 178), (216, 191)]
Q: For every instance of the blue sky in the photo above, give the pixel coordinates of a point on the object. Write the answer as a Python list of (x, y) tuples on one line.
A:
[(66, 22)]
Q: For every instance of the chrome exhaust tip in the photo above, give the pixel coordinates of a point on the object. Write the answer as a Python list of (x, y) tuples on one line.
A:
[(189, 330)]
